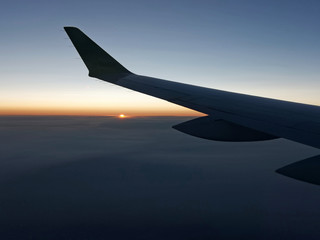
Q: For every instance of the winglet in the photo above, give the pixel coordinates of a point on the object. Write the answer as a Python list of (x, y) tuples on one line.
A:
[(99, 63)]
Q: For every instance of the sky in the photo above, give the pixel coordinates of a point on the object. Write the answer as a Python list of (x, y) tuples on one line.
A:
[(266, 48), (71, 177)]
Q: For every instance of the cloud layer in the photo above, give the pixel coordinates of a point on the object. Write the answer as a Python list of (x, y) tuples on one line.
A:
[(103, 177)]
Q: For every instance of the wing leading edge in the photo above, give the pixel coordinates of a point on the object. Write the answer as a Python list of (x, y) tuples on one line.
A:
[(236, 117)]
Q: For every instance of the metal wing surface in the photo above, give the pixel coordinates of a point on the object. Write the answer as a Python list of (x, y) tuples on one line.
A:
[(230, 116)]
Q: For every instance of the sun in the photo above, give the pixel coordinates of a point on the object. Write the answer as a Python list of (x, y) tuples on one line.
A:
[(122, 116)]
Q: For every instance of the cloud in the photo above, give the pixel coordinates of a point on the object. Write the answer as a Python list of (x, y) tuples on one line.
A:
[(102, 177)]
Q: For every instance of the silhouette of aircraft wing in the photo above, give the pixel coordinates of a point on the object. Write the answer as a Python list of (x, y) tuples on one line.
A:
[(230, 116)]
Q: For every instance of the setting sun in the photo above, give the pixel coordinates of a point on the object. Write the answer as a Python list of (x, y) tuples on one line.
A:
[(122, 116)]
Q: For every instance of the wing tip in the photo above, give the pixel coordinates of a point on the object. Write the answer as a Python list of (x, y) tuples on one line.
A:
[(70, 27), (99, 63)]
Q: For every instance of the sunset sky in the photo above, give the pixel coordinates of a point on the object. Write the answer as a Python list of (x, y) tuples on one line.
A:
[(266, 48)]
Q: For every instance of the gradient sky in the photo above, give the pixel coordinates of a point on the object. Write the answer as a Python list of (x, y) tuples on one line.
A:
[(267, 48)]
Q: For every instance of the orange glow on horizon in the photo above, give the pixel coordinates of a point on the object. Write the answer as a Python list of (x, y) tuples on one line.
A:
[(72, 109), (56, 111), (96, 104)]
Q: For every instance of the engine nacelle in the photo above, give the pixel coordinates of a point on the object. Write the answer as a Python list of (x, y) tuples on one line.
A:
[(221, 130)]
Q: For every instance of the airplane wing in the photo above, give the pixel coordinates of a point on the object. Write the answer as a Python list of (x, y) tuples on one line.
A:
[(230, 116)]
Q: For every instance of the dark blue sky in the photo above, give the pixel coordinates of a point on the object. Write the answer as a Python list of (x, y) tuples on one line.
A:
[(268, 48)]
